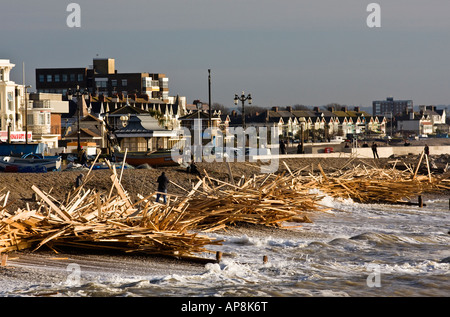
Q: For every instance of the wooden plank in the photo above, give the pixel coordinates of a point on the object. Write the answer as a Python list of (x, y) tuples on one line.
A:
[(61, 213), (120, 190), (418, 165), (123, 165), (428, 167)]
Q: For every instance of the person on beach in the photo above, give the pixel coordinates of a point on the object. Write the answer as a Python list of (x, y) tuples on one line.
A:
[(79, 181), (427, 150), (83, 157), (162, 181), (375, 150), (282, 147)]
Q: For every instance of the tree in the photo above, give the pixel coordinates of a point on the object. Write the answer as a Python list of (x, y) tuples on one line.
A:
[(221, 107), (300, 107)]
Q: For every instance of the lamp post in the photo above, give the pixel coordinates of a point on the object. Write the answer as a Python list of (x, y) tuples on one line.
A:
[(26, 113), (78, 94), (302, 126), (198, 147), (243, 98)]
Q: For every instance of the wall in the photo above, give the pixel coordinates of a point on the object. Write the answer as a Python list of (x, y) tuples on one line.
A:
[(383, 152), (387, 151)]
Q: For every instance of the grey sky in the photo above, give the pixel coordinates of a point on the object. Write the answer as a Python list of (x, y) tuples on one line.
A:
[(284, 52)]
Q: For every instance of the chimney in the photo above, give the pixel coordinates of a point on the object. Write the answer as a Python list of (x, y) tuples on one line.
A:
[(331, 108), (316, 109), (289, 108), (275, 109), (357, 109)]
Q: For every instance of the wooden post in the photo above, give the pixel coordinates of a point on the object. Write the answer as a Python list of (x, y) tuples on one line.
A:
[(420, 201), (218, 256), (4, 259), (230, 173)]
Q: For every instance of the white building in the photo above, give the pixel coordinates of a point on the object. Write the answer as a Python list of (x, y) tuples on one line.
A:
[(11, 105), (44, 117), (41, 118)]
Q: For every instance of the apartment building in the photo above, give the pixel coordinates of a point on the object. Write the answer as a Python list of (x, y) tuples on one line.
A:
[(391, 107), (102, 78)]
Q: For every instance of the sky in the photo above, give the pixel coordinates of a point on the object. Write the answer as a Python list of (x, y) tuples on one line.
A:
[(283, 52)]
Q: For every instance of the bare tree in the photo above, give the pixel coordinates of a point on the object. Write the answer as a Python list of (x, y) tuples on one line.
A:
[(221, 107)]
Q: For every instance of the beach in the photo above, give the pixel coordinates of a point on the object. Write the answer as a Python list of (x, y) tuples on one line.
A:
[(242, 269)]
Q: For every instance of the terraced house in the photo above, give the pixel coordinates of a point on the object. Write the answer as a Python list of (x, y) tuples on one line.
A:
[(318, 123)]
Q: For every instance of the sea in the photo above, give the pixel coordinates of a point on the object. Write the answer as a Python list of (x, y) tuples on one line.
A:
[(353, 250)]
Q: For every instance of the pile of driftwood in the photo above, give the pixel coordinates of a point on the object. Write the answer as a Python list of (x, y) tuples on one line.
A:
[(112, 220), (90, 219), (369, 184), (269, 200)]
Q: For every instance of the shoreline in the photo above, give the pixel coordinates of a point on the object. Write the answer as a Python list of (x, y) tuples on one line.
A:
[(44, 272), (143, 181), (26, 270)]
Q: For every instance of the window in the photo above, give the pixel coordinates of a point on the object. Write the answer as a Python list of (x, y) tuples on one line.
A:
[(41, 78), (64, 78), (57, 77), (72, 77), (41, 118), (114, 82), (124, 82), (30, 119), (164, 83), (49, 78), (101, 82), (80, 77), (10, 101), (134, 144)]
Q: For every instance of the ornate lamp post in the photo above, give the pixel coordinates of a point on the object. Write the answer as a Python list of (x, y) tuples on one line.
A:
[(243, 98), (78, 94)]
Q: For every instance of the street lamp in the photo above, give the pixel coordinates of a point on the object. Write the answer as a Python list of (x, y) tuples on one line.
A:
[(198, 147), (243, 98), (302, 126), (78, 94)]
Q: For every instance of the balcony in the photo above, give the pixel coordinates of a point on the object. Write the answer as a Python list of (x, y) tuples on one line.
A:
[(41, 104)]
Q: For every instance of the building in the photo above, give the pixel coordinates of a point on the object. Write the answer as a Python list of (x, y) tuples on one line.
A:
[(142, 133), (12, 106), (316, 124), (44, 112), (427, 121), (391, 107), (90, 130), (103, 79)]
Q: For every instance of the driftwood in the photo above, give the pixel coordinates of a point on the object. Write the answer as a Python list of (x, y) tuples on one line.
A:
[(91, 219)]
